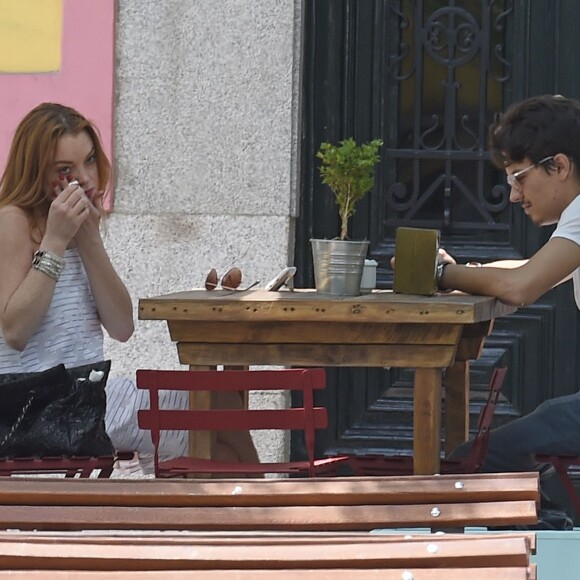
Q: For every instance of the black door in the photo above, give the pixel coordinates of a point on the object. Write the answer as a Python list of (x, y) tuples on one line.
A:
[(427, 77)]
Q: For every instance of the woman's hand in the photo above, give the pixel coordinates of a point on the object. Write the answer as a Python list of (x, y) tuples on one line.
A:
[(111, 296), (69, 209), (89, 233)]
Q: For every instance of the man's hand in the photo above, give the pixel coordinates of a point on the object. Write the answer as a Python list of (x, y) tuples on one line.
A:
[(445, 258), (442, 257)]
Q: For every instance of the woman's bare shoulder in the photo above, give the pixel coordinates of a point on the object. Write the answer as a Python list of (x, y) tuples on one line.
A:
[(14, 227), (12, 212)]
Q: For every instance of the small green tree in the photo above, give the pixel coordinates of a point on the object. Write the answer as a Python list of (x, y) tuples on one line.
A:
[(349, 171)]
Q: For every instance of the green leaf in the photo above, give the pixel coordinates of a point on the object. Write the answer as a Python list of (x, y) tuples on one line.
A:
[(349, 170)]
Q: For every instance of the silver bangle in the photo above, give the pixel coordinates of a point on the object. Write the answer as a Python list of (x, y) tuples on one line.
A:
[(48, 263), (439, 273)]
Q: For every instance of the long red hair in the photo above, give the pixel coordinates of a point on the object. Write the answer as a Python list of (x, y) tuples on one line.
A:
[(24, 183)]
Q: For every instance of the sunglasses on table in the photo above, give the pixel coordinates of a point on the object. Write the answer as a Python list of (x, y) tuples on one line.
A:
[(231, 280)]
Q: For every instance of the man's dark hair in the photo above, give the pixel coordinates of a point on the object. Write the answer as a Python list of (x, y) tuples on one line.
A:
[(535, 129)]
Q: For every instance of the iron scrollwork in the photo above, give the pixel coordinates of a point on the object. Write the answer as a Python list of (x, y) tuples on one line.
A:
[(446, 69)]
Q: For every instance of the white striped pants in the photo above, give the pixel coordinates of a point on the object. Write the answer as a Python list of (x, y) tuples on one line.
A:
[(124, 399)]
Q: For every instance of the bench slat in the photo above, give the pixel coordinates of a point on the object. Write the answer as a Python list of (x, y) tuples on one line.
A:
[(266, 528), (501, 552), (465, 488), (369, 574), (365, 517), (264, 538)]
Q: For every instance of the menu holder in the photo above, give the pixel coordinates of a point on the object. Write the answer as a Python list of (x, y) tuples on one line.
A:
[(416, 254)]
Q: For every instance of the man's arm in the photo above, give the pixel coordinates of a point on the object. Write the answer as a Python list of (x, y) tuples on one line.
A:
[(518, 282)]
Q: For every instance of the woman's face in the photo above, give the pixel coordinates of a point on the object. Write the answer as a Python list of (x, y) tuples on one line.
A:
[(75, 159)]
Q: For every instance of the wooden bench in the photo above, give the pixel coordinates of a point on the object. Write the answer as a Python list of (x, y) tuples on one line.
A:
[(282, 528), (329, 556), (315, 504)]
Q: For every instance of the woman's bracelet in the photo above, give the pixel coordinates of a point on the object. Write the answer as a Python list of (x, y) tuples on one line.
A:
[(48, 263)]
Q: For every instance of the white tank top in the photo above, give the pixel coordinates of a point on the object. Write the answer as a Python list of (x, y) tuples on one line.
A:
[(70, 333)]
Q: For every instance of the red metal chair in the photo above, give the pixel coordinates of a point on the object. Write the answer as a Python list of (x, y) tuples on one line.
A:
[(307, 418), (102, 466), (471, 463)]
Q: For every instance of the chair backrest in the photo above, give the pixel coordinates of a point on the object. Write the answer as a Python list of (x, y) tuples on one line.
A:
[(307, 418), (478, 452)]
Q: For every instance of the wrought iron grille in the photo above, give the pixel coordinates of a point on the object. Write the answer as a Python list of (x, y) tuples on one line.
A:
[(445, 71)]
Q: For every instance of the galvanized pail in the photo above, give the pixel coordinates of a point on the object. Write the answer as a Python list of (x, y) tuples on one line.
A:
[(338, 266)]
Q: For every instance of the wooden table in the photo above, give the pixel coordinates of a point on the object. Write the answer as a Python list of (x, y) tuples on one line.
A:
[(380, 329)]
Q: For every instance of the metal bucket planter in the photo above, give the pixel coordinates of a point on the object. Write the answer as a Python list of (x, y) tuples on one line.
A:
[(338, 266)]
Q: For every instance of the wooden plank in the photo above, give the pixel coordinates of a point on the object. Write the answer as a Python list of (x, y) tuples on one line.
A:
[(520, 573), (265, 538), (482, 487), (86, 555), (472, 340), (470, 348), (478, 329), (367, 355), (314, 332), (382, 305), (502, 552), (427, 421), (307, 518)]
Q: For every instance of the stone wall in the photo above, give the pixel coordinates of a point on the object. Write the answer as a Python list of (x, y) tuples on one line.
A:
[(206, 154)]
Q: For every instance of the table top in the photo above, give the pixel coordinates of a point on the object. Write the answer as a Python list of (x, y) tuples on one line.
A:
[(380, 306)]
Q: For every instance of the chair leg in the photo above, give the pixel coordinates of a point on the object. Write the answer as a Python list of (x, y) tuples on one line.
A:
[(562, 470)]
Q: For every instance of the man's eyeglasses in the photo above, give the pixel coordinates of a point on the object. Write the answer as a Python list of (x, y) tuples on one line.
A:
[(514, 179), (231, 280)]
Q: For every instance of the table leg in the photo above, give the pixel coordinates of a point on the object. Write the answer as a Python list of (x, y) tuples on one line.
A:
[(427, 421), (200, 442), (245, 395), (456, 405)]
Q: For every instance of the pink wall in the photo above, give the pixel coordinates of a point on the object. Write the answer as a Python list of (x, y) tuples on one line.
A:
[(86, 78)]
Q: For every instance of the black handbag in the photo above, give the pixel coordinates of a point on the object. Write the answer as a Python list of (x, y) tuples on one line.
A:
[(57, 412)]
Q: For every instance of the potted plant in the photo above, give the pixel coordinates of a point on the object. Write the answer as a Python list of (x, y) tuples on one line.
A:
[(349, 170)]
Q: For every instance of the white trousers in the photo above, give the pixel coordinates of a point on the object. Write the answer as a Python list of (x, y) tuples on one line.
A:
[(124, 399)]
